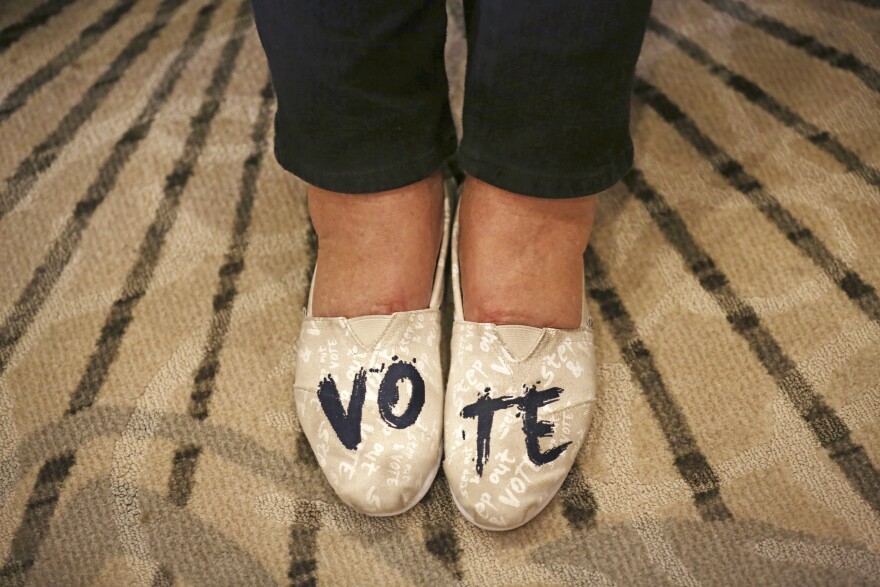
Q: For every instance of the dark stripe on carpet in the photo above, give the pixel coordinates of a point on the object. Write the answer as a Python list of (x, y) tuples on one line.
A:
[(50, 70), (851, 283), (138, 279), (875, 4), (304, 453), (807, 43), (233, 264), (183, 471), (828, 428), (20, 183), (757, 96), (34, 19), (46, 275), (303, 546), (442, 542), (690, 461), (163, 578), (37, 517), (182, 479), (579, 505), (440, 538)]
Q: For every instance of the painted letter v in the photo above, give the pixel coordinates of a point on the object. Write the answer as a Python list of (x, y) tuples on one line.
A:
[(347, 425)]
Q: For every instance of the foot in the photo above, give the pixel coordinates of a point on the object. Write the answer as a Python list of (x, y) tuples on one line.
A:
[(369, 393), (522, 257), (376, 252), (513, 431)]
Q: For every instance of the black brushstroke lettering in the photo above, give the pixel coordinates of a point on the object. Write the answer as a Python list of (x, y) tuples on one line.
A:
[(347, 425), (389, 394), (535, 429), (483, 410)]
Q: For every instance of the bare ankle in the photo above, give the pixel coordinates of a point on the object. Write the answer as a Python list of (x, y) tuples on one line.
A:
[(350, 216), (376, 252), (521, 257)]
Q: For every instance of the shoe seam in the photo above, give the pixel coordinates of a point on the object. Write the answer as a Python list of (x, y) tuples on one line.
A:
[(582, 331), (407, 316)]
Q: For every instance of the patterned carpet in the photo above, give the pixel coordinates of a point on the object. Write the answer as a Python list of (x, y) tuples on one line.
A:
[(154, 259)]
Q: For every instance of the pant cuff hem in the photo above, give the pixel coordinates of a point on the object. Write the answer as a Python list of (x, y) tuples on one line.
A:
[(399, 174), (546, 184)]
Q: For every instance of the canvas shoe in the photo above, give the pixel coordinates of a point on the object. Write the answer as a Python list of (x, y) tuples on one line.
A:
[(519, 401), (369, 397)]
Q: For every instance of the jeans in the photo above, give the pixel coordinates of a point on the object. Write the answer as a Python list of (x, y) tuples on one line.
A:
[(363, 96)]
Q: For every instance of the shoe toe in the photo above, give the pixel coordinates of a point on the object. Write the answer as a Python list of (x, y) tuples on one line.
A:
[(373, 416), (514, 425), (386, 473), (393, 486), (512, 489)]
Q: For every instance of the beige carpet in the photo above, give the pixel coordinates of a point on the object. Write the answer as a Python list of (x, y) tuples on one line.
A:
[(154, 259)]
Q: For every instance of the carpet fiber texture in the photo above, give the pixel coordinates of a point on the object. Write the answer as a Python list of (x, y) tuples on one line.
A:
[(154, 260)]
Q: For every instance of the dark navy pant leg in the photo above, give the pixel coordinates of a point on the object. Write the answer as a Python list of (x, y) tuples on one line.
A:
[(547, 93), (362, 92)]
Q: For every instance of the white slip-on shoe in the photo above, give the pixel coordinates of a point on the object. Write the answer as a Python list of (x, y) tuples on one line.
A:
[(369, 397), (519, 402)]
